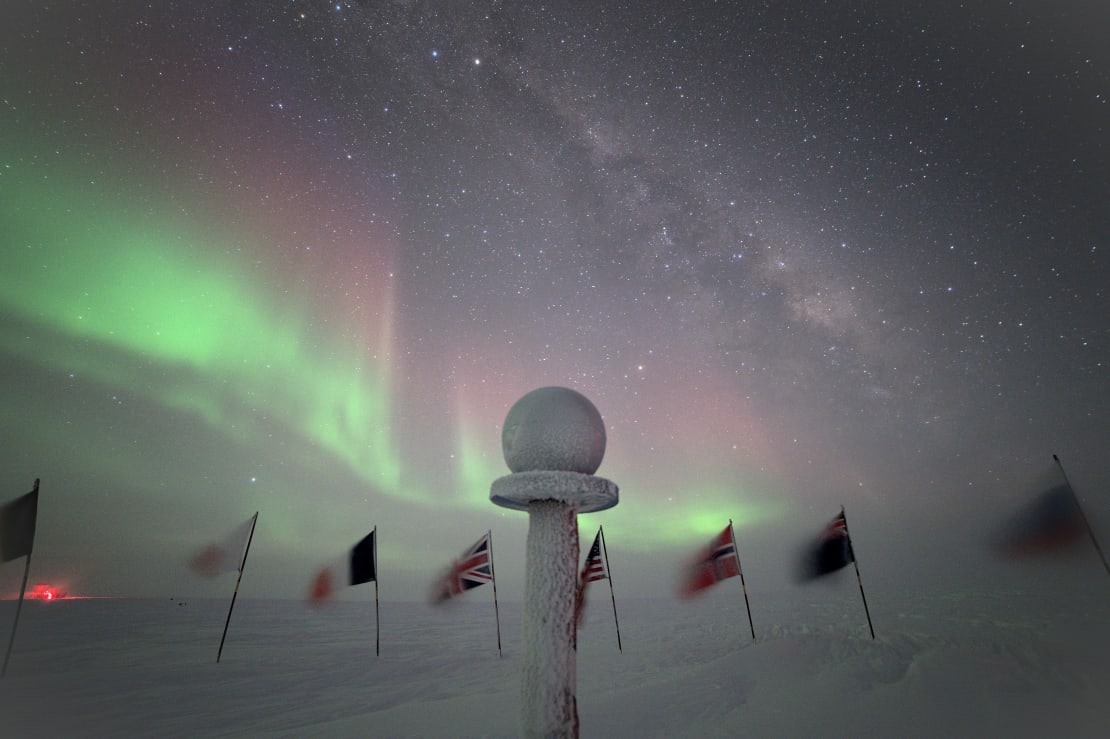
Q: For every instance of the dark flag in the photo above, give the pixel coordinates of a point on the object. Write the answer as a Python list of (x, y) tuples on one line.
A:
[(17, 539), (17, 525), (716, 562), (356, 567), (831, 552), (1051, 522), (469, 571)]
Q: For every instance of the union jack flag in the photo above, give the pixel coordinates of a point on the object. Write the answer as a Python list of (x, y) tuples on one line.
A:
[(472, 569), (716, 562)]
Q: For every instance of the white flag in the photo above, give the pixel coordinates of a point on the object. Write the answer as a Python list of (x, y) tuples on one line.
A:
[(226, 555)]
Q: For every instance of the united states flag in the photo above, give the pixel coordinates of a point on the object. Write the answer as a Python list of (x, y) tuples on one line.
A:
[(472, 569), (594, 569), (716, 562)]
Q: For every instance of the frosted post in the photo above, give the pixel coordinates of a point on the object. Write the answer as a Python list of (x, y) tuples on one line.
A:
[(553, 442)]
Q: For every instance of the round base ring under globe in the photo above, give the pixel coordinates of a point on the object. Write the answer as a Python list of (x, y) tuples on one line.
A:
[(586, 493)]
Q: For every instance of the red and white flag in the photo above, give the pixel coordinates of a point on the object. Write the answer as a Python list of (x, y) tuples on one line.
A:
[(473, 569), (225, 555), (594, 569), (716, 562)]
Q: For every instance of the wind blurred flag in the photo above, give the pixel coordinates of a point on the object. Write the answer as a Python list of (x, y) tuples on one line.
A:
[(831, 552), (226, 555), (716, 562), (1052, 522), (473, 569), (356, 567), (17, 525)]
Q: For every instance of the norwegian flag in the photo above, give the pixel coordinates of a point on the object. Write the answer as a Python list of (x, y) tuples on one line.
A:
[(473, 569), (716, 562)]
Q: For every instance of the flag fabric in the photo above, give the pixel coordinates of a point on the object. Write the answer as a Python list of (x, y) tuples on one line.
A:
[(1052, 522), (473, 569), (592, 571), (17, 525), (716, 562), (226, 555), (356, 567), (831, 552)]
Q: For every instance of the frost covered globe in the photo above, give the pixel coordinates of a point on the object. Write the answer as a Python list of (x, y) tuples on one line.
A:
[(553, 428)]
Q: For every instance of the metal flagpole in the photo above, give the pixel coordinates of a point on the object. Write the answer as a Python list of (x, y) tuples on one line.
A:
[(18, 608), (493, 579), (852, 554), (1082, 515), (744, 585), (377, 611), (22, 588), (238, 580), (609, 577)]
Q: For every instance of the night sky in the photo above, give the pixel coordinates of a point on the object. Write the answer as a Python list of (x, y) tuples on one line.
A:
[(302, 258)]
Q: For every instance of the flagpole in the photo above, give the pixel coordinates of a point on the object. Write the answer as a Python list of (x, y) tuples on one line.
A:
[(1082, 515), (743, 585), (852, 553), (22, 590), (242, 564), (609, 574), (377, 611), (493, 579), (18, 608)]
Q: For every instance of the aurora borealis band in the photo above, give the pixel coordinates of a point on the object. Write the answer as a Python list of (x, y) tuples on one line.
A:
[(301, 258)]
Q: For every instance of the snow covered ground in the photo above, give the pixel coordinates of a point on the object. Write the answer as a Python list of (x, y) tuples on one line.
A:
[(957, 664)]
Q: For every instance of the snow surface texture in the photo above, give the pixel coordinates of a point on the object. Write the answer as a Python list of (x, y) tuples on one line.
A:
[(547, 688), (978, 663), (553, 428)]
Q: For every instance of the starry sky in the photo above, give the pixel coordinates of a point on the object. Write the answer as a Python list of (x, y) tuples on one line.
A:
[(302, 258)]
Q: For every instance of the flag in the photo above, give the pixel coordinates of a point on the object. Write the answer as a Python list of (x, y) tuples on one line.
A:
[(592, 570), (1051, 522), (716, 562), (17, 525), (356, 567), (226, 555), (830, 552), (473, 569)]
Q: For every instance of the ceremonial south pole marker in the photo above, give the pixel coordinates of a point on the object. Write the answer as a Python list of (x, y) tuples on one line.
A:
[(553, 441)]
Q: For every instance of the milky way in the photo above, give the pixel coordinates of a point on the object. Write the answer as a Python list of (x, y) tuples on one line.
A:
[(302, 258)]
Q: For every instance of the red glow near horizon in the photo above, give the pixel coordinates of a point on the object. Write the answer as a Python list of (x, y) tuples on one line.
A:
[(43, 591)]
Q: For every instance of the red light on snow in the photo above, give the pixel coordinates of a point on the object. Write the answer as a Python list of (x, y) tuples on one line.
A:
[(43, 591)]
